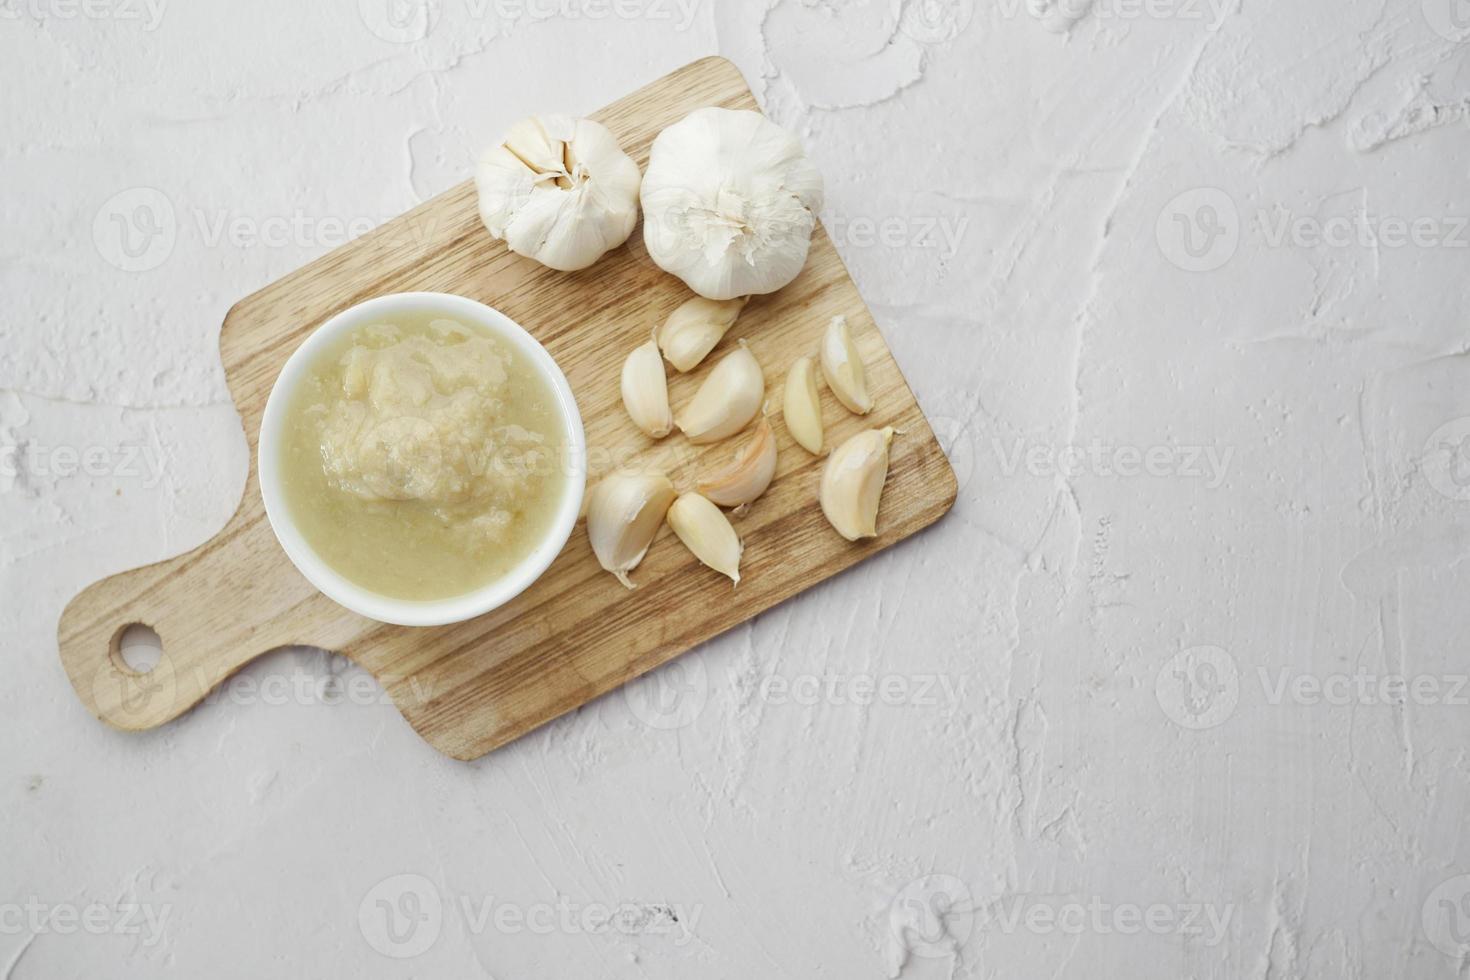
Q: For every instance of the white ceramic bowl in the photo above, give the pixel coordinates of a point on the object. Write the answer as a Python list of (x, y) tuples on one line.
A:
[(371, 604)]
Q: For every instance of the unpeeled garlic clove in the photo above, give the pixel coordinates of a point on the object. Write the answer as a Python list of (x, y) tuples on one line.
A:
[(729, 398), (624, 512), (843, 368), (747, 476), (693, 330), (646, 391), (852, 483), (707, 533), (802, 406)]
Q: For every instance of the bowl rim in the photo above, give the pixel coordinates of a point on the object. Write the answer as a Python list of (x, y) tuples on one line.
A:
[(428, 612)]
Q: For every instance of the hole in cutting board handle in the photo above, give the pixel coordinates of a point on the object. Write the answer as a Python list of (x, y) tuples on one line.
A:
[(137, 648)]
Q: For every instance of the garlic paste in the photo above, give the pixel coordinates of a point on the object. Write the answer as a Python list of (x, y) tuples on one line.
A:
[(423, 459)]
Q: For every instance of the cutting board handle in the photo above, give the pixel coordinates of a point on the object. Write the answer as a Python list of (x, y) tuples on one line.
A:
[(214, 609)]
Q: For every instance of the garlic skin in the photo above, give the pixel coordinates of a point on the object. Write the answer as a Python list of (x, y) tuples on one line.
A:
[(729, 203), (729, 398), (801, 406), (747, 476), (624, 512), (706, 532), (843, 368), (646, 391), (559, 190), (852, 483), (693, 330)]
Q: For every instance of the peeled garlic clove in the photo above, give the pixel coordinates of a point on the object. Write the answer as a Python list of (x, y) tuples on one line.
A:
[(843, 368), (693, 330), (802, 406), (624, 511), (745, 477), (729, 398), (852, 483), (559, 190), (646, 391), (707, 533)]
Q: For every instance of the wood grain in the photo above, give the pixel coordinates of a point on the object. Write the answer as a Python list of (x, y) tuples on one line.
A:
[(576, 634)]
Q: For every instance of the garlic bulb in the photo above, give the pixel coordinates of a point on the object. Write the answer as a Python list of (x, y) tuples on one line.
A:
[(746, 476), (802, 406), (559, 190), (843, 368), (729, 398), (707, 533), (852, 483), (646, 391), (729, 203), (694, 328), (624, 512)]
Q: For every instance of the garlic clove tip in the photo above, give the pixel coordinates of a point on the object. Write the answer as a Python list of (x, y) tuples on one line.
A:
[(707, 533), (852, 483), (843, 367), (728, 399), (802, 406), (645, 391)]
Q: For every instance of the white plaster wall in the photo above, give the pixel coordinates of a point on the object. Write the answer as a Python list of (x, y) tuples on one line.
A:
[(1140, 720)]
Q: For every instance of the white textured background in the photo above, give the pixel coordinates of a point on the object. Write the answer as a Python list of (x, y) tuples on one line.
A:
[(1141, 714)]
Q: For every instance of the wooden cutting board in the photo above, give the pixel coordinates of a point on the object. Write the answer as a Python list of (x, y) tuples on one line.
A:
[(577, 633)]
